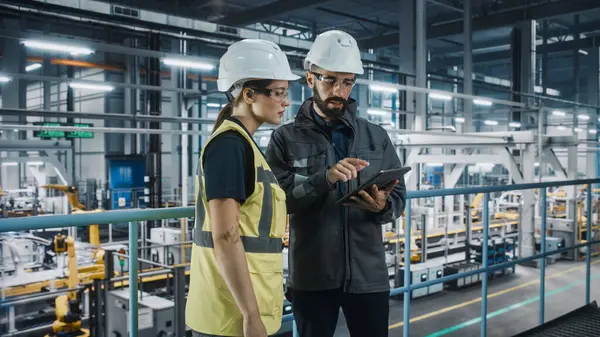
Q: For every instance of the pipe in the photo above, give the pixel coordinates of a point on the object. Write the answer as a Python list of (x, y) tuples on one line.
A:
[(101, 129), (102, 116), (116, 84), (544, 193), (407, 278), (484, 259), (36, 297), (588, 255), (133, 278)]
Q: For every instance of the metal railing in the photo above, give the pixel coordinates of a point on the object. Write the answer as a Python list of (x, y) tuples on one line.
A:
[(134, 215)]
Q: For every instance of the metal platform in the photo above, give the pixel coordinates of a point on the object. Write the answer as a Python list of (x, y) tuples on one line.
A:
[(583, 322)]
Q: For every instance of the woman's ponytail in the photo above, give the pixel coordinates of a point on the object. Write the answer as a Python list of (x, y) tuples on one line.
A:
[(225, 113)]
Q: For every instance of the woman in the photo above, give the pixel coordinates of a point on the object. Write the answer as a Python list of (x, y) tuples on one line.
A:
[(236, 282)]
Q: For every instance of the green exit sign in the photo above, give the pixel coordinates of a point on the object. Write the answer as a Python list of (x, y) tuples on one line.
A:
[(80, 134), (49, 134)]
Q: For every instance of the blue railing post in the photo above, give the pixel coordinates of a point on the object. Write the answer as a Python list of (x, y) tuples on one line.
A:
[(588, 257), (484, 259), (294, 329), (406, 311), (543, 213), (133, 275)]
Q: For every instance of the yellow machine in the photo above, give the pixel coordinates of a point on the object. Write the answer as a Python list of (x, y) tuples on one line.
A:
[(68, 312), (77, 207)]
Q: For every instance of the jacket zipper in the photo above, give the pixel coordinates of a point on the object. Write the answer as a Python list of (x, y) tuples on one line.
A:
[(346, 227), (345, 234)]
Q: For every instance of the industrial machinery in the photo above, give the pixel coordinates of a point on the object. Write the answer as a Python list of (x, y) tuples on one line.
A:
[(156, 315), (169, 245), (420, 273), (68, 310)]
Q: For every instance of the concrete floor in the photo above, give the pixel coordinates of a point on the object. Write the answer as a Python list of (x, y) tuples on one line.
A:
[(513, 303)]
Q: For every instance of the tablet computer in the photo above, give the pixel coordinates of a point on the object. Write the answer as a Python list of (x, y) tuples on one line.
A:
[(381, 179)]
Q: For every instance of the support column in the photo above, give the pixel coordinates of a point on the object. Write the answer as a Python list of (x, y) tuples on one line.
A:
[(523, 63), (131, 97), (13, 97), (176, 109), (527, 225), (154, 156), (593, 86), (421, 63), (406, 44), (468, 67)]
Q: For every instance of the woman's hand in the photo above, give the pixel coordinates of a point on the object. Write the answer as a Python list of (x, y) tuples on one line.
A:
[(254, 326)]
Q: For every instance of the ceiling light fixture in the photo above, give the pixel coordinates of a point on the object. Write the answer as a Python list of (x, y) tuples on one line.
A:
[(558, 113), (213, 105), (186, 63), (593, 131), (459, 119), (490, 122), (382, 88), (583, 117), (482, 102), (5, 79), (377, 112), (514, 124), (33, 67), (442, 97), (73, 50), (90, 86)]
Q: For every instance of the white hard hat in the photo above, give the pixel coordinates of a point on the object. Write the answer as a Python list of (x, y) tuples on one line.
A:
[(252, 59), (335, 50)]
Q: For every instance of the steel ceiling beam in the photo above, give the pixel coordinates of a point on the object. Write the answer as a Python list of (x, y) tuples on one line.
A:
[(504, 18), (268, 11)]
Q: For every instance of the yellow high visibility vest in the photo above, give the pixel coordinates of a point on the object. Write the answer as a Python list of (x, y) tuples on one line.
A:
[(210, 307)]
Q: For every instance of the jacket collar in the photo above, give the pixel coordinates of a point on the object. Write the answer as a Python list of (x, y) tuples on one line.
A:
[(305, 117)]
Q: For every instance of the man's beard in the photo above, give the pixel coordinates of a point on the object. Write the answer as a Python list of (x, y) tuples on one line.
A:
[(331, 113)]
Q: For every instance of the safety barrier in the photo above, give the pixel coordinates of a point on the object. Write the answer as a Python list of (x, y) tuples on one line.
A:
[(135, 215)]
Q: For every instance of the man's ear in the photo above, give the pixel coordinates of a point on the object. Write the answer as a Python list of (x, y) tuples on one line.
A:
[(310, 80)]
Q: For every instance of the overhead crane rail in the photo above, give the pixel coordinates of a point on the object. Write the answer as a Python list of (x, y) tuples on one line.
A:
[(132, 216)]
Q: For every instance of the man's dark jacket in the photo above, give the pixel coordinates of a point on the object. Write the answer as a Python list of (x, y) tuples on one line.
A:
[(327, 252)]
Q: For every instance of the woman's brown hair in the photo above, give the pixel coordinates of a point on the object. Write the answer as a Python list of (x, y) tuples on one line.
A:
[(227, 110)]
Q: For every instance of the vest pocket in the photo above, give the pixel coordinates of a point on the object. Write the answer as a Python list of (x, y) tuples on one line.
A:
[(279, 213)]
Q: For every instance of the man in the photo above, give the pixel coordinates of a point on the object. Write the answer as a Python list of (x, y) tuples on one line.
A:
[(336, 257)]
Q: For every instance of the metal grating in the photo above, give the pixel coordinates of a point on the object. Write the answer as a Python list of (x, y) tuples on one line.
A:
[(583, 322)]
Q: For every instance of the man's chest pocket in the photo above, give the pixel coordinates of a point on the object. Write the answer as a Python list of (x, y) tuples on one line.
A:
[(374, 155), (308, 160)]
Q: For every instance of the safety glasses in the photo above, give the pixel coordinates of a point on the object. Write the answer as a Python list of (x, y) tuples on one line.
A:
[(278, 95), (330, 81)]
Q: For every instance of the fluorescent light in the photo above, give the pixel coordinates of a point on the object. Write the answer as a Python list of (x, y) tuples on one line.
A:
[(558, 113), (10, 163), (33, 67), (593, 131), (442, 97), (99, 87), (5, 79), (35, 163), (434, 164), (581, 51), (577, 129), (482, 102), (536, 164), (583, 116), (560, 127), (382, 88), (514, 124), (377, 112), (490, 122), (213, 105), (73, 50), (177, 62), (459, 119)]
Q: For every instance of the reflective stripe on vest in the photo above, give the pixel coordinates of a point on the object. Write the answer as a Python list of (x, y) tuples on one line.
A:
[(261, 244)]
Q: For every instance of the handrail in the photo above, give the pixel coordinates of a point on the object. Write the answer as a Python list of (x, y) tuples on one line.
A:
[(134, 215), (123, 216)]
